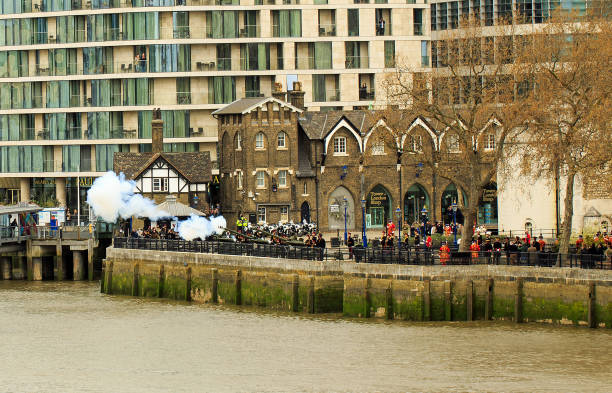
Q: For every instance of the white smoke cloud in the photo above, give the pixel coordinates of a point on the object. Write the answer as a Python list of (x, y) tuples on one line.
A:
[(200, 227), (112, 196)]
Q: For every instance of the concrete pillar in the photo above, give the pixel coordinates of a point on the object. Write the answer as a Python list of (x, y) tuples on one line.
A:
[(7, 268), (78, 265), (37, 268), (20, 268), (60, 190), (24, 184)]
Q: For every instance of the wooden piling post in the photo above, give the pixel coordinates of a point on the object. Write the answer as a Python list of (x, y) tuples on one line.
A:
[(160, 282), (489, 302), (426, 300), (591, 304), (311, 295), (188, 284), (469, 300), (135, 279), (518, 301), (238, 286), (367, 300), (295, 293), (215, 285)]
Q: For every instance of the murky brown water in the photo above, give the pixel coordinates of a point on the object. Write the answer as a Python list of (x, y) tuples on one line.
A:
[(67, 337)]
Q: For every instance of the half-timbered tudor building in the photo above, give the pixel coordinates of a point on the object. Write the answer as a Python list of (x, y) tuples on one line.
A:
[(157, 174)]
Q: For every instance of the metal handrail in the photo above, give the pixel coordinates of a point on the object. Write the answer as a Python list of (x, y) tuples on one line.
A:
[(391, 255)]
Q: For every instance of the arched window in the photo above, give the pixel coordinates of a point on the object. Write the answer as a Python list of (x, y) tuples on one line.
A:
[(259, 140), (281, 140), (238, 142)]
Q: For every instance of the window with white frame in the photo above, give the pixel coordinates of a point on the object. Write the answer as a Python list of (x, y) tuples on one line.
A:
[(489, 142), (378, 148), (261, 214), (339, 145), (260, 179), (259, 141), (284, 213), (239, 180), (416, 142), (305, 188), (282, 178), (281, 140), (160, 184), (238, 142)]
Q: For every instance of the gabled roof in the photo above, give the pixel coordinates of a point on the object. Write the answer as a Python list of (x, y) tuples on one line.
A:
[(193, 166), (177, 209), (317, 125), (246, 105)]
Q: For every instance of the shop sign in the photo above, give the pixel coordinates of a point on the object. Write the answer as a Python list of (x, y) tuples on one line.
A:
[(86, 181), (334, 208), (44, 181), (377, 198), (489, 195)]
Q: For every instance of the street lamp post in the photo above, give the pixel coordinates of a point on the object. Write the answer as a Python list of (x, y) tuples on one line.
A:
[(424, 216), (398, 211), (454, 205), (363, 224), (345, 203)]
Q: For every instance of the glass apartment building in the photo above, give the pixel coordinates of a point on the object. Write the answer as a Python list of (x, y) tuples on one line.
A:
[(79, 78)]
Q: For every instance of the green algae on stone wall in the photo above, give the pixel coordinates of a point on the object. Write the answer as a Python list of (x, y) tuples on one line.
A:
[(394, 292)]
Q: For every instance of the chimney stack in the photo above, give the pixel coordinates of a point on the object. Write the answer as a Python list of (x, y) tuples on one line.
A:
[(157, 132), (297, 95), (278, 92)]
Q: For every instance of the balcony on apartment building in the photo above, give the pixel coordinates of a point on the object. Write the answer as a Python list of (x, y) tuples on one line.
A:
[(327, 23), (366, 87)]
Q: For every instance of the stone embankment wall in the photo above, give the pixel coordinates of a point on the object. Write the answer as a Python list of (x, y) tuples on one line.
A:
[(403, 292)]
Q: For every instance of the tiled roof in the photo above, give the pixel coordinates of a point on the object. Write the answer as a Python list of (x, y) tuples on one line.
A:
[(245, 105), (317, 125), (194, 166)]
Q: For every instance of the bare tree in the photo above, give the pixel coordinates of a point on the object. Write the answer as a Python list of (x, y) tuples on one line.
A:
[(570, 130), (470, 96)]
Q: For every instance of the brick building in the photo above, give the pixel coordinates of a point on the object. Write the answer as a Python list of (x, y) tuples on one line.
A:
[(281, 163)]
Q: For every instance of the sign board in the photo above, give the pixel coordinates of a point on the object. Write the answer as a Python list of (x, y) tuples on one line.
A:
[(253, 218), (334, 208), (86, 181), (378, 198), (489, 195), (44, 216)]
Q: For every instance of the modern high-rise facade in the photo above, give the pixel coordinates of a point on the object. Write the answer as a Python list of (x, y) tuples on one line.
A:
[(79, 78)]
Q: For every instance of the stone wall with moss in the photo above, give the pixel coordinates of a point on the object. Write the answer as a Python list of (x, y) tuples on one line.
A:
[(402, 292)]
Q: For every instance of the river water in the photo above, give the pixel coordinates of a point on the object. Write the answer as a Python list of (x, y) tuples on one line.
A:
[(67, 337)]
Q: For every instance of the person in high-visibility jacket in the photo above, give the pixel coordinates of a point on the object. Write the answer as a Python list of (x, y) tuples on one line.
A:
[(444, 254), (240, 223)]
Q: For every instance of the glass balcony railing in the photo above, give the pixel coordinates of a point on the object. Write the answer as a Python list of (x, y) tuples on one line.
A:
[(330, 95), (52, 166), (418, 29), (249, 64), (224, 64), (357, 62), (365, 94), (327, 30), (44, 6), (243, 31), (183, 98)]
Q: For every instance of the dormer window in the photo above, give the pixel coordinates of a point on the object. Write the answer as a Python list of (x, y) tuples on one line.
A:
[(489, 142), (340, 145), (416, 142), (259, 141)]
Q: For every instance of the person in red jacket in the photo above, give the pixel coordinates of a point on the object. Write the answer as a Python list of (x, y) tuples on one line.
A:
[(444, 253), (474, 248), (428, 241)]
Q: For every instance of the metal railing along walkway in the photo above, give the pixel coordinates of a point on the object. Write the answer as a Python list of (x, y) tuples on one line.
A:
[(404, 256)]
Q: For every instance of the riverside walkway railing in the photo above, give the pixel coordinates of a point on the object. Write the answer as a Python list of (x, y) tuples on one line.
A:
[(404, 256)]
